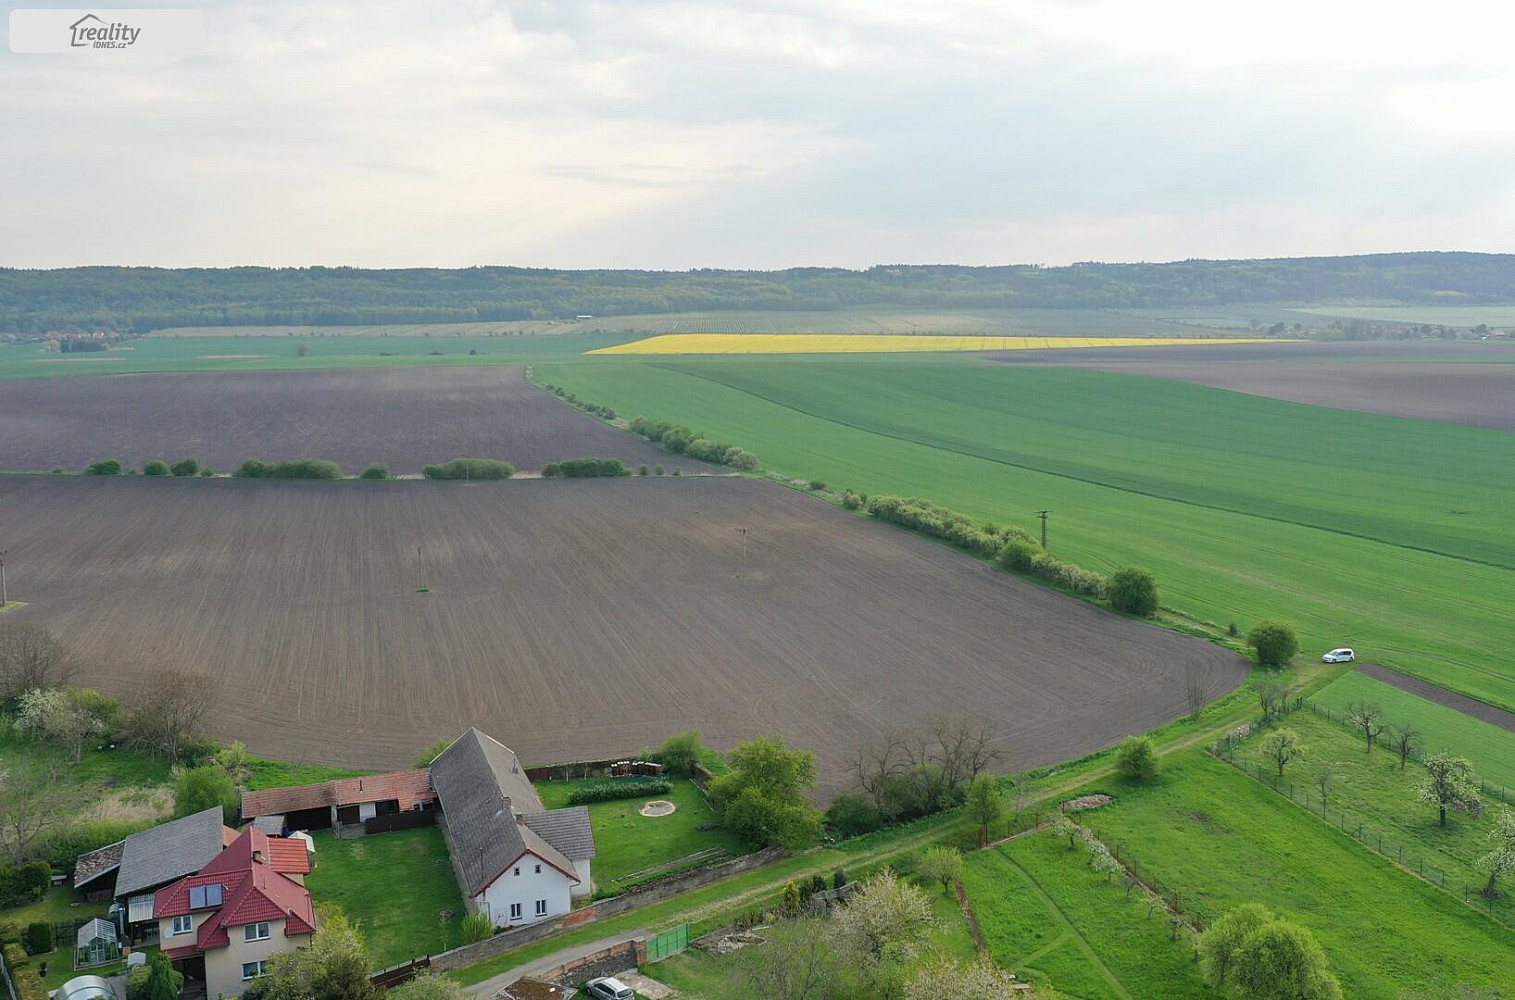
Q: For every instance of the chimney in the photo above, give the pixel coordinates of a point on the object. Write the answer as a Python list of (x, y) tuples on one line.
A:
[(257, 855)]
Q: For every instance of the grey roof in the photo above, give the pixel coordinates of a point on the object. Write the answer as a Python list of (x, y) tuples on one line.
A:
[(96, 928), (567, 830), (271, 825), (483, 788), (168, 852)]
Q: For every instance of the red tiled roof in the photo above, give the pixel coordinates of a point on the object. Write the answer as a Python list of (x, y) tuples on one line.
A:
[(254, 888), (409, 787), (288, 855)]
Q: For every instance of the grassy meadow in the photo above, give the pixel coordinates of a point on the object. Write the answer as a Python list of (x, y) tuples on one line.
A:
[(1372, 798), (1395, 536), (1218, 838), (1490, 748)]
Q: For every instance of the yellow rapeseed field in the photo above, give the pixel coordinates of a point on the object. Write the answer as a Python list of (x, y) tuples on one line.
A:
[(826, 343)]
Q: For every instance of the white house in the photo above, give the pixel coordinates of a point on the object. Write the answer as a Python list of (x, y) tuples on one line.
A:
[(514, 860)]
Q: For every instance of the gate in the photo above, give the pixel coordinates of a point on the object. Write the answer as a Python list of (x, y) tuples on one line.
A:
[(668, 943)]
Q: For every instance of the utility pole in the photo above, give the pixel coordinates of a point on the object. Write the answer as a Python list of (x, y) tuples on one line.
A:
[(4, 598), (744, 549), (1043, 515)]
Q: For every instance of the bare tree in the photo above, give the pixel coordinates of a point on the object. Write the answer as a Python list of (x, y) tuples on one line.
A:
[(1194, 688), (879, 760), (32, 804), (171, 710), (1368, 717), (30, 658), (1405, 740), (1271, 697), (1325, 780), (918, 769), (965, 746)]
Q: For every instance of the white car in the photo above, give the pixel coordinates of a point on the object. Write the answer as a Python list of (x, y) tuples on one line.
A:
[(1342, 655), (608, 988)]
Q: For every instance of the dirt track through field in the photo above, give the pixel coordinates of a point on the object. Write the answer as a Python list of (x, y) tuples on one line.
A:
[(1465, 383), (570, 619), (402, 417)]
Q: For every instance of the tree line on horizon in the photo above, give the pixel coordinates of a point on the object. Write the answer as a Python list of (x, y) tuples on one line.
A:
[(139, 299)]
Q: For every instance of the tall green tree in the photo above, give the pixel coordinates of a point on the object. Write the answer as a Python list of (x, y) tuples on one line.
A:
[(1132, 590), (197, 788), (1219, 945), (1274, 642), (160, 978), (984, 805), (763, 798), (1283, 961)]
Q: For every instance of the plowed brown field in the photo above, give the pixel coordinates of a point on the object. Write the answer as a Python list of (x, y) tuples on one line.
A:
[(568, 618), (402, 417)]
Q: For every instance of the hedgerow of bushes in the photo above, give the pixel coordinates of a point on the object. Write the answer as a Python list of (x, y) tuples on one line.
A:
[(300, 468), (618, 788), (582, 404), (585, 468), (470, 468), (28, 986), (22, 884), (683, 441), (1012, 548)]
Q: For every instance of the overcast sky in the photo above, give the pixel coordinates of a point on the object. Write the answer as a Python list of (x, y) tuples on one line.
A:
[(833, 132)]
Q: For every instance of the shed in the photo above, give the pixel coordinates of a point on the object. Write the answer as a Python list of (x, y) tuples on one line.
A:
[(96, 944)]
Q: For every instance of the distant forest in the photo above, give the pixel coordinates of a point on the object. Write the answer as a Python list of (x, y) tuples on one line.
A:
[(138, 299)]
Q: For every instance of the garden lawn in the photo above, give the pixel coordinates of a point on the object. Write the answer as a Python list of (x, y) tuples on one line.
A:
[(395, 887), (1396, 536), (1370, 794), (58, 905), (1046, 915), (1218, 839), (1490, 748), (627, 842)]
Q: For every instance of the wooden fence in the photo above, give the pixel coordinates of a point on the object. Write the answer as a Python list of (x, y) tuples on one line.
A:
[(414, 819), (397, 975)]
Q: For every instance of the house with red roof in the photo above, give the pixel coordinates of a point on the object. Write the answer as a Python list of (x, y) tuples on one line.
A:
[(222, 924)]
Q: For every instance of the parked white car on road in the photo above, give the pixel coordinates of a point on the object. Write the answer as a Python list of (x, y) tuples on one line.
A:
[(1342, 655)]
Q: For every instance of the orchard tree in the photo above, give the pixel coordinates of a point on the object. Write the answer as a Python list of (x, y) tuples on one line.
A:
[(884, 920), (941, 864), (1405, 740), (1282, 746), (1368, 717), (1274, 642), (55, 716), (942, 978), (1449, 784), (1501, 859)]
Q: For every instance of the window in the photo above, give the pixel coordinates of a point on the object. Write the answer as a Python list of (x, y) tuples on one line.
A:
[(515, 911), (182, 925), (518, 871), (539, 869), (256, 932), (252, 970), (541, 907)]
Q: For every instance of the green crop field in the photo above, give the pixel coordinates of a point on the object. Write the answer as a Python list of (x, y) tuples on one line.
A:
[(1046, 915), (1218, 838), (1393, 535), (1490, 748), (1373, 799)]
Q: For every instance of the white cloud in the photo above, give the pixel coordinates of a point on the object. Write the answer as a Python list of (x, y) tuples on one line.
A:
[(642, 133)]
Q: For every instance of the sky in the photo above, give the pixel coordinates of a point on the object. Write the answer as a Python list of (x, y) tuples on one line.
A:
[(672, 135)]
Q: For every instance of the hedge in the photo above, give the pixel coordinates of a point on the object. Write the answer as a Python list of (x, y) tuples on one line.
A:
[(470, 468), (684, 441), (37, 939), (21, 884), (109, 467), (300, 468), (618, 788), (585, 468)]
